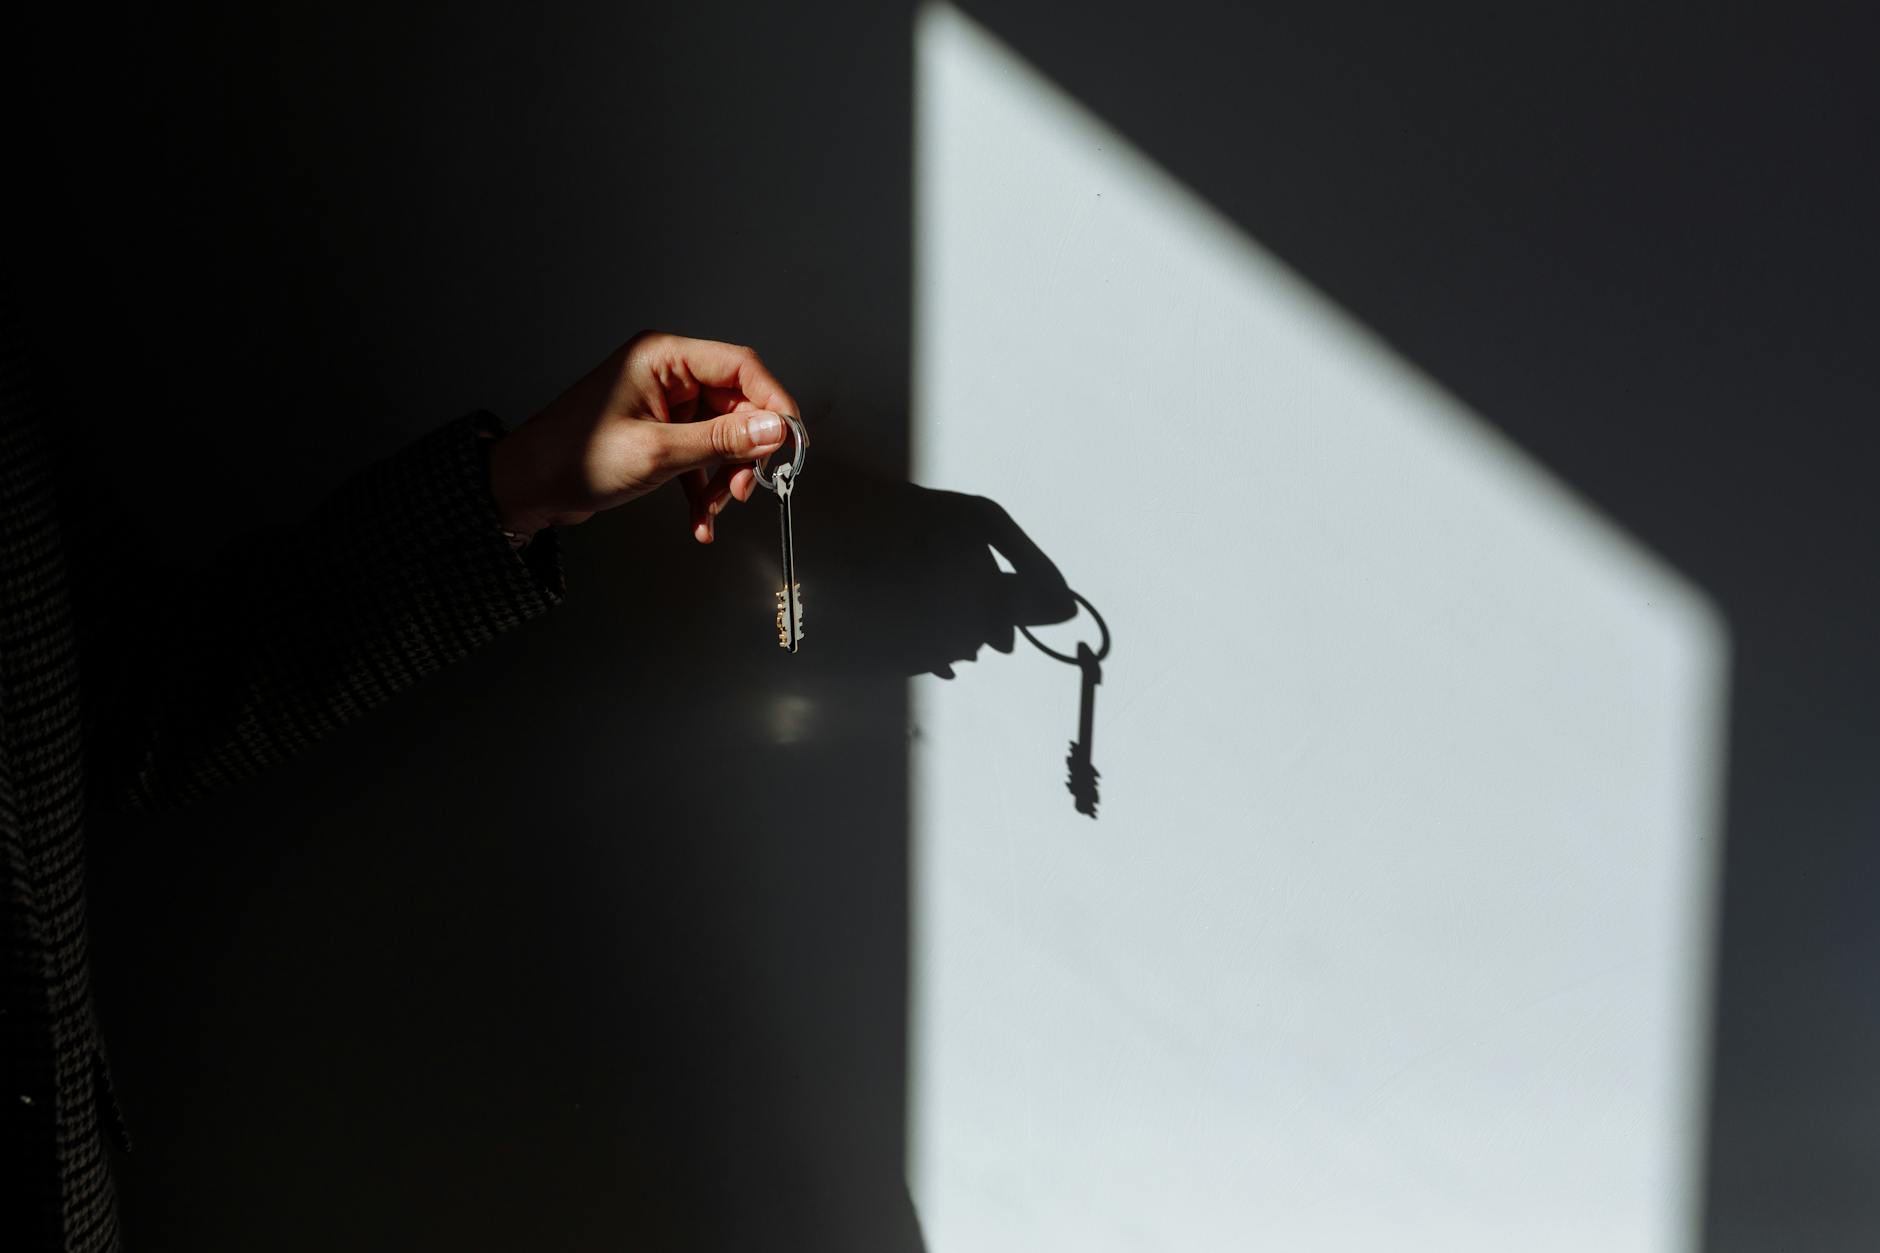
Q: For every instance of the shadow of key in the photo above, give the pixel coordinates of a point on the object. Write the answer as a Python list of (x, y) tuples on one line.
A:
[(1082, 782), (902, 579)]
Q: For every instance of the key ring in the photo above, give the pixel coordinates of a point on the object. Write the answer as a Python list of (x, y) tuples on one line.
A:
[(795, 470)]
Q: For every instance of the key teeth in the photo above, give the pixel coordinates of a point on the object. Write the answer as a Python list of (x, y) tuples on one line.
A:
[(1082, 783), (786, 638)]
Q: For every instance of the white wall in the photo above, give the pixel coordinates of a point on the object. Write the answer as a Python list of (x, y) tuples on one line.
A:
[(1393, 930)]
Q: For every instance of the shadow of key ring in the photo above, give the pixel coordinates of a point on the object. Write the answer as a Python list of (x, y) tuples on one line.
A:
[(801, 437), (1102, 650)]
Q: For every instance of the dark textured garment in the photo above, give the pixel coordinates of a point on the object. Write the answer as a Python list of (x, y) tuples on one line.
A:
[(130, 688)]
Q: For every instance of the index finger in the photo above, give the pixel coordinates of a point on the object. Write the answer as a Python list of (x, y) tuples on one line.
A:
[(729, 366)]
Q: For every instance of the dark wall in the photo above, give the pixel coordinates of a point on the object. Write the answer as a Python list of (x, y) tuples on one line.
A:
[(601, 937), (598, 940)]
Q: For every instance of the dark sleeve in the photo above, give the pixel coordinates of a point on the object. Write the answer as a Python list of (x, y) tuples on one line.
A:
[(195, 680)]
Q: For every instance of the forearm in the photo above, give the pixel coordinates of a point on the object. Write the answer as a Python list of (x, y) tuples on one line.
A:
[(303, 628)]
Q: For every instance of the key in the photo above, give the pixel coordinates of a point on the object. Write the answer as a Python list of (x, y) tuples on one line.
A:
[(790, 598), (783, 482), (1083, 773)]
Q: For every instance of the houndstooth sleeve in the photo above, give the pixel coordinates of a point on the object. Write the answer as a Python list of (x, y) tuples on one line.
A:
[(301, 629)]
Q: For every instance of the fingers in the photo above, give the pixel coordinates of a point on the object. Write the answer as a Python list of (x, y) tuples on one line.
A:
[(743, 482), (731, 483), (698, 498), (709, 444), (712, 459), (721, 412), (722, 368), (725, 400), (713, 496)]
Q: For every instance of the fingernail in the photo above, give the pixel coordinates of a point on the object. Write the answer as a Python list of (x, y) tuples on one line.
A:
[(764, 428)]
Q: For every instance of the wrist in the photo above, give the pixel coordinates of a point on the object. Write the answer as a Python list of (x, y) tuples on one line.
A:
[(514, 487)]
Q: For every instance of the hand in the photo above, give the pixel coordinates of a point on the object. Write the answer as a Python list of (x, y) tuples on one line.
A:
[(659, 407)]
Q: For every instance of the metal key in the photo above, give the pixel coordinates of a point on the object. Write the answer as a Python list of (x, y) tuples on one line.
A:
[(783, 482), (790, 599)]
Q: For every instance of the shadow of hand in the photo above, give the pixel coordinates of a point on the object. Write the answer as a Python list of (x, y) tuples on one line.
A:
[(902, 578)]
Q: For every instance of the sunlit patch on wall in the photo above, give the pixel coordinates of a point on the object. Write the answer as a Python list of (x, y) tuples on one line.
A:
[(1393, 928)]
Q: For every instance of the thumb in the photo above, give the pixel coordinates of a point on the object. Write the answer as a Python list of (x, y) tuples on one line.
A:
[(734, 437)]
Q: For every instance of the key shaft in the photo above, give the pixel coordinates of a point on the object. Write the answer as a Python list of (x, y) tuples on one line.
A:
[(790, 605)]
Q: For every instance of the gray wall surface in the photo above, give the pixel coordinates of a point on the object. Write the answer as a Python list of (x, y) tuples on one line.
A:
[(654, 878), (1394, 925)]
